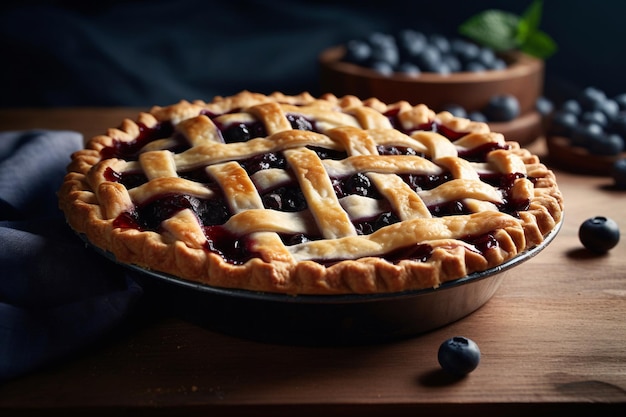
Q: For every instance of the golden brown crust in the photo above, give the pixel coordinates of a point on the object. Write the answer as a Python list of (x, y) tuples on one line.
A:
[(344, 261)]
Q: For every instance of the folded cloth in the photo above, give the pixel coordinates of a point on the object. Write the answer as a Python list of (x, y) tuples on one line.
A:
[(57, 296)]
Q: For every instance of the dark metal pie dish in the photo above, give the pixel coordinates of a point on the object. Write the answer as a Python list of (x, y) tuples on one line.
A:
[(326, 319)]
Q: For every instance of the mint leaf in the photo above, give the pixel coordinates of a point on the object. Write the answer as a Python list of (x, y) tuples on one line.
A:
[(530, 39), (539, 44), (503, 31), (493, 28), (532, 15), (529, 22)]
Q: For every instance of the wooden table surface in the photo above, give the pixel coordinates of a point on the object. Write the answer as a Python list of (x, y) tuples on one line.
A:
[(553, 339)]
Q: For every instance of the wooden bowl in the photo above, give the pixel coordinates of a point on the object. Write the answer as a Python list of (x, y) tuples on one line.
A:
[(522, 78), (575, 159)]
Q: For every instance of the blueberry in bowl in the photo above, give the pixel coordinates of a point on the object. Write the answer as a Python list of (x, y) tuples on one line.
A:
[(587, 133), (618, 172)]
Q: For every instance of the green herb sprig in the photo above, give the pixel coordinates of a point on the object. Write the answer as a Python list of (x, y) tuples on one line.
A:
[(504, 31)]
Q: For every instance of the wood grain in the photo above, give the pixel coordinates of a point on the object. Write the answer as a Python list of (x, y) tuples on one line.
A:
[(553, 340)]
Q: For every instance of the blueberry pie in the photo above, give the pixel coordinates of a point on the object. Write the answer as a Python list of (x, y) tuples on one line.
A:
[(302, 195)]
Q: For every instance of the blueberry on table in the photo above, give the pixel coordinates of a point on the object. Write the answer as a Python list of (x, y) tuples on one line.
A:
[(458, 355), (599, 234)]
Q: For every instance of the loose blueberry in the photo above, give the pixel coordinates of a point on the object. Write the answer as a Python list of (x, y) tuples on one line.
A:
[(599, 234), (618, 172), (458, 355), (502, 108)]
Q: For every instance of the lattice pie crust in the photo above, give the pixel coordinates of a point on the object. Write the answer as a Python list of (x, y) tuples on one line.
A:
[(304, 195)]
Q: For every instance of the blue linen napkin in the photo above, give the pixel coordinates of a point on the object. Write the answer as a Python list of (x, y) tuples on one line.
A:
[(57, 296)]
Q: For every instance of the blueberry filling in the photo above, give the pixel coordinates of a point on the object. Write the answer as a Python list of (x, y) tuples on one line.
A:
[(287, 198), (452, 208), (149, 215), (369, 226), (324, 153), (397, 150), (214, 212), (264, 161), (392, 115), (294, 239), (505, 183), (231, 248), (357, 184), (242, 132), (130, 150), (420, 182), (479, 154), (299, 122), (128, 179), (419, 252), (198, 175)]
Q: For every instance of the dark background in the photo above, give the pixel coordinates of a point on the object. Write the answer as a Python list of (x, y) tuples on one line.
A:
[(140, 53)]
